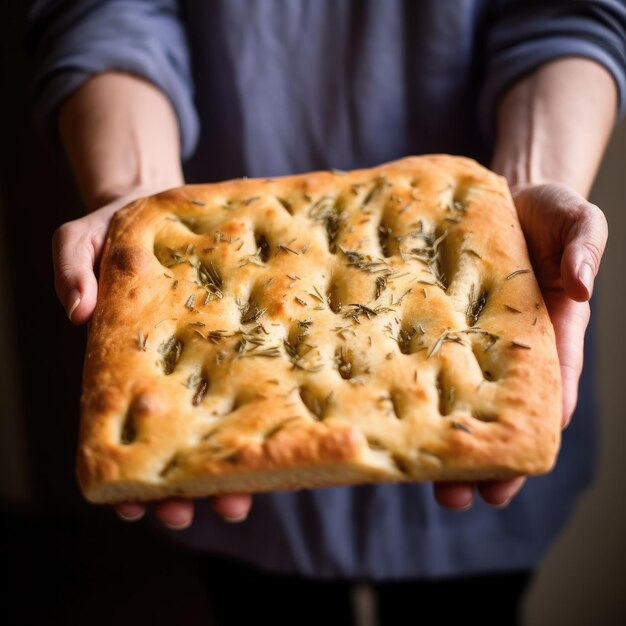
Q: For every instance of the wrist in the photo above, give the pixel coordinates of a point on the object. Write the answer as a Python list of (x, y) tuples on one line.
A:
[(519, 174), (553, 125), (105, 195)]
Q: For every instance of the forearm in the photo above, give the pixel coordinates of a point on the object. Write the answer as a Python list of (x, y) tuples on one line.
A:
[(121, 137), (554, 124)]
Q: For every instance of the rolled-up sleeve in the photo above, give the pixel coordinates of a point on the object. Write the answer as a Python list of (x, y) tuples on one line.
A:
[(71, 41), (524, 34)]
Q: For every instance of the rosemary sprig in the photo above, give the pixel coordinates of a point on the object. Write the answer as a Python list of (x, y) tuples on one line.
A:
[(381, 285), (251, 313), (272, 352), (253, 259), (285, 248), (215, 336), (462, 427), (293, 351), (210, 279), (317, 295), (326, 211), (171, 351), (516, 273), (446, 336), (425, 246), (360, 309), (364, 262), (379, 185), (305, 325)]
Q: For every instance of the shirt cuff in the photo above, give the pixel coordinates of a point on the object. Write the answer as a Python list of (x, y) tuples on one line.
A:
[(61, 80)]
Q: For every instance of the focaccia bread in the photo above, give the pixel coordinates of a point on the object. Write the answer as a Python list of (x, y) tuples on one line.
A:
[(330, 328)]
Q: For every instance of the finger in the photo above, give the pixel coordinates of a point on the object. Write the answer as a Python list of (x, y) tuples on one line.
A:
[(584, 245), (454, 495), (570, 323), (130, 511), (74, 256), (176, 514), (500, 492), (232, 507)]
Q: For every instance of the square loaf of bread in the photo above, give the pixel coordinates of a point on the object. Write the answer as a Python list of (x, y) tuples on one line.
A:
[(330, 328)]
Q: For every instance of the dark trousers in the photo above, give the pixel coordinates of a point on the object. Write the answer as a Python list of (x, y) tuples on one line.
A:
[(241, 595)]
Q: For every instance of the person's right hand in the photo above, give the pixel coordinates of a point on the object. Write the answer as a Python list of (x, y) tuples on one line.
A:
[(76, 250)]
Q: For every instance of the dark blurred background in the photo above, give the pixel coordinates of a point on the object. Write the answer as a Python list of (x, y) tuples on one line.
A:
[(80, 565)]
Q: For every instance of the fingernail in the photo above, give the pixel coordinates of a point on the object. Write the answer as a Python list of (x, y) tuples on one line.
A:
[(235, 520), (586, 276), (131, 518), (502, 505), (74, 300), (465, 507), (182, 526)]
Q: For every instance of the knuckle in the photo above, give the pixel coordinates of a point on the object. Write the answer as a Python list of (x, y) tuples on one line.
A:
[(71, 239), (64, 277), (594, 245), (593, 229), (595, 251), (596, 214), (64, 234)]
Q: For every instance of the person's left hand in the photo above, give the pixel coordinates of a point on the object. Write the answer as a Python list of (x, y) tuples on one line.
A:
[(566, 236)]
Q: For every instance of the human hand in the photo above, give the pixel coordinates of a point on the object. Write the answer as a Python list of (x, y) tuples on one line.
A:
[(566, 236), (76, 250)]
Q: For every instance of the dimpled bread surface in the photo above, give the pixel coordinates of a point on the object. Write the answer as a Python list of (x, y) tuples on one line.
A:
[(329, 328)]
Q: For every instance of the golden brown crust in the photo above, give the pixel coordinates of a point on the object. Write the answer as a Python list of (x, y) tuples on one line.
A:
[(328, 328)]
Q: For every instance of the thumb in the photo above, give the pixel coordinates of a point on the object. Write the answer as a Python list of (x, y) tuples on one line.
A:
[(76, 248), (74, 256), (584, 244)]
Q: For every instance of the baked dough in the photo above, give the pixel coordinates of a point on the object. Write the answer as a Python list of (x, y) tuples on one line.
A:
[(330, 328)]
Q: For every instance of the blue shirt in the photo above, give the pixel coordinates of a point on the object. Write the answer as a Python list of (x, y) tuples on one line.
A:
[(275, 87)]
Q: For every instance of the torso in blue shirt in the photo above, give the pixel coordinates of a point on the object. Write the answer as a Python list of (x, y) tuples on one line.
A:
[(284, 87)]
